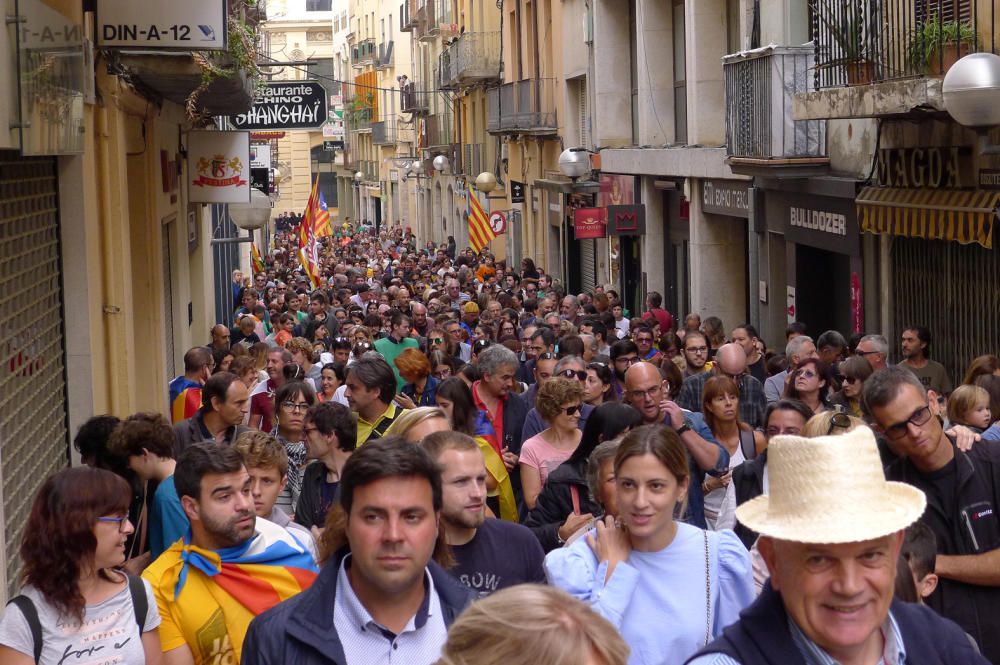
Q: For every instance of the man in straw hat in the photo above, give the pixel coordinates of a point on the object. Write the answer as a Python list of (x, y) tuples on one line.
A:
[(831, 531)]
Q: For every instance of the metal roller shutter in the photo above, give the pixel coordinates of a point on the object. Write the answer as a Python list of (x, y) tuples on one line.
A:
[(33, 432), (588, 265)]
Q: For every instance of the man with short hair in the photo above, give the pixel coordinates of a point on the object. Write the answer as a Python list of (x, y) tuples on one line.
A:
[(831, 347), (455, 331), (267, 463), (622, 324), (544, 370), (538, 341), (648, 391), (420, 324), (224, 404), (642, 335), (655, 312), (318, 316), (371, 387), (916, 344), (380, 598), (832, 553), (731, 361), (798, 349), (228, 568), (185, 390), (963, 493), (695, 348), (746, 336), (624, 354), (262, 396), (146, 442), (331, 436), (220, 337), (874, 349), (569, 309), (396, 342), (491, 554)]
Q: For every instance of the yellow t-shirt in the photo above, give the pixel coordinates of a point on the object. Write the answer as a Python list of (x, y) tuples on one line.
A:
[(365, 428)]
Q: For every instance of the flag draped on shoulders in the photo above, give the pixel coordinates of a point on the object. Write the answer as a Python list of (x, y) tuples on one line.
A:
[(185, 398), (480, 231)]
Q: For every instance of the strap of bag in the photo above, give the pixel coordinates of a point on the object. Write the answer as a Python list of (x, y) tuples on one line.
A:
[(140, 602), (748, 445), (708, 593), (575, 493), (27, 608)]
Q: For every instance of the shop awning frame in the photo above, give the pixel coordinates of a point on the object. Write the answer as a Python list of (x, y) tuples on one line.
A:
[(963, 216)]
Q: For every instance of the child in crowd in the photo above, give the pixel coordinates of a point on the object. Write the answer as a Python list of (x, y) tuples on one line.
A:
[(970, 406)]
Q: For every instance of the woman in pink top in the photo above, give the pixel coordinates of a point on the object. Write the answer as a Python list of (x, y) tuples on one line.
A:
[(558, 402)]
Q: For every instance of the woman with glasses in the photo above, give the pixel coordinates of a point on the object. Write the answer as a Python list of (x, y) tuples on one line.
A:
[(507, 329), (442, 365), (668, 587), (720, 404), (72, 551), (291, 402), (558, 401), (809, 383), (598, 387), (855, 371)]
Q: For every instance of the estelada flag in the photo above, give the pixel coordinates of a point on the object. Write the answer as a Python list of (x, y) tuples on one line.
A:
[(322, 226), (480, 232)]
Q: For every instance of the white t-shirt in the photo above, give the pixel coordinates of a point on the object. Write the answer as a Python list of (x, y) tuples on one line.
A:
[(109, 633)]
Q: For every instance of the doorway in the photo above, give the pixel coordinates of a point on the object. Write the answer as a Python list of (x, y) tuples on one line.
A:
[(823, 290)]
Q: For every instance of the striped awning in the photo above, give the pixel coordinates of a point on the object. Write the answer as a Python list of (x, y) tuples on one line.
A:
[(964, 216)]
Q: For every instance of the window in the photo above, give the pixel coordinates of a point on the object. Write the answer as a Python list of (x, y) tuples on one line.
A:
[(680, 75), (319, 5)]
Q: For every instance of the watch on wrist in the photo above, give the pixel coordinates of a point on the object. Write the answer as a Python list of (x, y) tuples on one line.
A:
[(686, 427)]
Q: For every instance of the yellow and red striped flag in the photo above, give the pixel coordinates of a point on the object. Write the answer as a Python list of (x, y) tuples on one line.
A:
[(480, 232), (256, 262), (308, 250)]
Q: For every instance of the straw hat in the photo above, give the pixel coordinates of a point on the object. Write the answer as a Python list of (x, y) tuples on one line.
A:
[(830, 489)]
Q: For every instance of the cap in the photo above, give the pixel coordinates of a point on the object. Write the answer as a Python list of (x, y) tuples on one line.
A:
[(470, 308)]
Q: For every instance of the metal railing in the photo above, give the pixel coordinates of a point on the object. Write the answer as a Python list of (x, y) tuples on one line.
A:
[(407, 16), (386, 55), (413, 100), (472, 159), (528, 105), (384, 132), (474, 58), (760, 88), (366, 51), (871, 41), (438, 131), (360, 120)]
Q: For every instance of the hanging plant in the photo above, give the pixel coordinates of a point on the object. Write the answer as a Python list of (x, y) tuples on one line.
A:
[(239, 60)]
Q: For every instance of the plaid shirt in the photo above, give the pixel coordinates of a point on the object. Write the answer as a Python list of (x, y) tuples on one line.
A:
[(752, 402)]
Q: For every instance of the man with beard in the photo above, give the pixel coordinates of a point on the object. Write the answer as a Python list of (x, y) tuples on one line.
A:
[(624, 354), (228, 568), (490, 554)]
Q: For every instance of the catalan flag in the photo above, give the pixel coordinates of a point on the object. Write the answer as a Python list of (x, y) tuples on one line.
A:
[(308, 250), (218, 592), (322, 226), (480, 232), (256, 262)]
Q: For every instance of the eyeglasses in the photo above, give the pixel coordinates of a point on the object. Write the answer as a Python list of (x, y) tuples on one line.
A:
[(122, 521), (443, 374), (839, 420), (696, 349), (861, 353), (777, 431), (627, 360), (808, 373), (643, 340), (573, 374), (651, 393), (571, 410), (295, 406), (899, 430), (548, 355), (436, 340), (851, 379)]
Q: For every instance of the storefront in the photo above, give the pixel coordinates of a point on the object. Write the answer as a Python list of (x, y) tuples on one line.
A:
[(723, 239), (810, 268)]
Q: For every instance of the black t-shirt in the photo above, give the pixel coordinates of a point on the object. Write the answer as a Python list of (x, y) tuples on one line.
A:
[(758, 370), (501, 554), (943, 481)]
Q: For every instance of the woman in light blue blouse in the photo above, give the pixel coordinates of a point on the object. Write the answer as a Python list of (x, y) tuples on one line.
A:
[(669, 587)]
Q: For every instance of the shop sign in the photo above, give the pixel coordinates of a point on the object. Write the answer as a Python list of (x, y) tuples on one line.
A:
[(516, 191), (218, 167), (726, 197), (589, 223), (948, 167), (629, 220), (824, 222), (989, 179), (285, 105), (192, 25)]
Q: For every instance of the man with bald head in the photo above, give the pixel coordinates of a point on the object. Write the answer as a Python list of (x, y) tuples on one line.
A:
[(649, 392), (220, 338), (731, 361)]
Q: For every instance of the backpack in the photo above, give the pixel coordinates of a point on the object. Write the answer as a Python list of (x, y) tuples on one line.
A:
[(140, 604), (748, 445)]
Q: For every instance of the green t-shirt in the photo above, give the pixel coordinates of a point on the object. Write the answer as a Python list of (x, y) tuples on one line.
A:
[(390, 351)]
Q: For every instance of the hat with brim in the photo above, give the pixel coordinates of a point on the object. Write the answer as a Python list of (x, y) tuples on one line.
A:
[(829, 490)]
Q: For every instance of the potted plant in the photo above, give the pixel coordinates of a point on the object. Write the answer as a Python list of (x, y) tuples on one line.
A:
[(853, 31), (936, 45)]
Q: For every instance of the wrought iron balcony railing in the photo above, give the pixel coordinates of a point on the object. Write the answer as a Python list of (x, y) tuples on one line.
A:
[(523, 106), (473, 58)]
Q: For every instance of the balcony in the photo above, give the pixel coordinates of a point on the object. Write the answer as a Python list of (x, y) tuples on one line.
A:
[(883, 58), (439, 134), (474, 58), (426, 27), (407, 16), (384, 132), (523, 107), (386, 57), (360, 120), (363, 53), (413, 100), (762, 137)]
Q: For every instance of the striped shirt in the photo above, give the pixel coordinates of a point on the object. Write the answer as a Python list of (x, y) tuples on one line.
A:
[(893, 651), (366, 641)]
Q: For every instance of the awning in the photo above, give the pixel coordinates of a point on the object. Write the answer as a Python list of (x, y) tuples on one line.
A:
[(964, 216)]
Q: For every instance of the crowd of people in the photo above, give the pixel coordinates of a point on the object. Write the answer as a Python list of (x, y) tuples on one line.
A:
[(435, 457)]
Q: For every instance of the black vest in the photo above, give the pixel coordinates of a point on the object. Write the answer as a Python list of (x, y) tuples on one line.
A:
[(762, 636)]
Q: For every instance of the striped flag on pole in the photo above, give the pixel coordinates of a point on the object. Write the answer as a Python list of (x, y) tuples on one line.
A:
[(480, 232), (256, 262), (308, 250)]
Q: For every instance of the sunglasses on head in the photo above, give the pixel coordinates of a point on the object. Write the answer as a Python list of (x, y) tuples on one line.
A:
[(573, 374)]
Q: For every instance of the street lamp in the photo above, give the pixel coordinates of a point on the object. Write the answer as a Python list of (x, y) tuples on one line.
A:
[(486, 182), (971, 91), (253, 215), (441, 163), (574, 162)]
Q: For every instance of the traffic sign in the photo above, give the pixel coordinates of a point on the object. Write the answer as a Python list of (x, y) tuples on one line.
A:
[(498, 222)]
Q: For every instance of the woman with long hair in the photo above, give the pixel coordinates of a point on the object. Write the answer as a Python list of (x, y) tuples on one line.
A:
[(565, 504), (442, 365), (855, 371), (291, 402), (809, 383), (72, 550), (720, 404), (455, 398), (980, 365), (599, 385), (647, 569)]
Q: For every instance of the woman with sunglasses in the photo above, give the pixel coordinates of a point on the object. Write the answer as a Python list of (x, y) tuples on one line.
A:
[(855, 371), (558, 401), (291, 402), (72, 549), (809, 383), (598, 387)]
